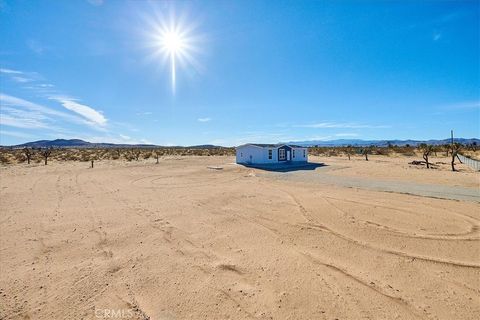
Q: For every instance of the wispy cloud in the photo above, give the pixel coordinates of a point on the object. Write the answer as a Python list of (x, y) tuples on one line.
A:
[(20, 76), (116, 138), (20, 113), (16, 134), (342, 125), (346, 135), (204, 119), (10, 103), (440, 21), (95, 3), (22, 119), (437, 36), (89, 113), (9, 71), (464, 105), (46, 85), (36, 46), (91, 116), (312, 138)]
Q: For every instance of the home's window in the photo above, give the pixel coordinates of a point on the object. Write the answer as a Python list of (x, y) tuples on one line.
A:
[(270, 153), (281, 154), (293, 153), (304, 153)]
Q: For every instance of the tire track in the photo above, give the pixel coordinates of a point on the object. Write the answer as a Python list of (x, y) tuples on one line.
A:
[(397, 300), (366, 245), (474, 226)]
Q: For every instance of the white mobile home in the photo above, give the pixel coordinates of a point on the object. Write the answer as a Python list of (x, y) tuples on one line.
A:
[(254, 153)]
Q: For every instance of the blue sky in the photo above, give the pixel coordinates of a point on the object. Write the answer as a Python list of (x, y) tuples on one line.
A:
[(259, 71)]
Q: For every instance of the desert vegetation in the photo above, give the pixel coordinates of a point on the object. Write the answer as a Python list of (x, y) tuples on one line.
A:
[(426, 152), (422, 151), (39, 155)]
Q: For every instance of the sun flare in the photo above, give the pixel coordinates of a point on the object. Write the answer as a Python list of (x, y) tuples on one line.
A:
[(174, 42)]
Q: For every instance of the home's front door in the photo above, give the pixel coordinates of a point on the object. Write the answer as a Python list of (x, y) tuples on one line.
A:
[(288, 155)]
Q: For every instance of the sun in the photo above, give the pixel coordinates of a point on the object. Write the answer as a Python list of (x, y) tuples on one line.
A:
[(172, 42), (175, 43)]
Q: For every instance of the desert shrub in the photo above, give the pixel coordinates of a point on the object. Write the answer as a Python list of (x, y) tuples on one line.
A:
[(147, 155), (19, 157), (84, 155), (332, 152), (382, 151), (5, 158), (129, 156), (71, 156), (405, 150)]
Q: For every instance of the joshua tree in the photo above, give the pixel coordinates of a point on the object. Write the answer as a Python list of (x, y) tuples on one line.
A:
[(426, 150), (454, 149), (435, 149), (349, 151), (473, 146), (46, 153), (365, 152), (28, 153), (447, 148), (157, 154)]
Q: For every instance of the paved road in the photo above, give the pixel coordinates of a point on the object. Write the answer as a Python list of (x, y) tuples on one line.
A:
[(321, 175)]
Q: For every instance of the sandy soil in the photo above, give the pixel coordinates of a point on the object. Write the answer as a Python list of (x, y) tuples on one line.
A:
[(399, 169), (181, 241)]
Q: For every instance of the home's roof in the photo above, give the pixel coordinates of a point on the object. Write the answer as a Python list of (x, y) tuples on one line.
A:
[(268, 145)]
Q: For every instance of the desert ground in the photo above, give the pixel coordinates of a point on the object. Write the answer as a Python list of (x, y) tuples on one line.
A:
[(203, 238)]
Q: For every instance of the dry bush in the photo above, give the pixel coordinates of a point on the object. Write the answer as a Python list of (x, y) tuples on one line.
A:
[(405, 150), (18, 156), (147, 155), (5, 157), (382, 151), (471, 154), (129, 156)]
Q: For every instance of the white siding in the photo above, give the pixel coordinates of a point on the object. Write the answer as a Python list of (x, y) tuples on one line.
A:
[(253, 154), (299, 154)]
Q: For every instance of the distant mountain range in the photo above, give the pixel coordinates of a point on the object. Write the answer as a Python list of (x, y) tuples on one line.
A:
[(379, 143), (77, 143)]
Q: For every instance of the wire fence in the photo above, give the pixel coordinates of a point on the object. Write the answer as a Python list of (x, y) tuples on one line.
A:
[(475, 164)]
